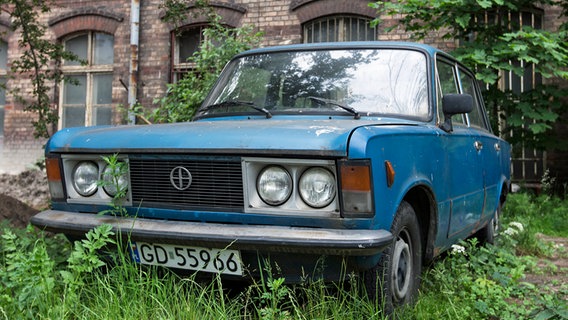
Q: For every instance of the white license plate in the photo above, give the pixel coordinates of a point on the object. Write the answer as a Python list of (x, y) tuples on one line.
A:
[(222, 261)]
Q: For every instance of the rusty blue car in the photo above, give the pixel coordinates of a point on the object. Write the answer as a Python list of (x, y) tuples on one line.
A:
[(309, 160)]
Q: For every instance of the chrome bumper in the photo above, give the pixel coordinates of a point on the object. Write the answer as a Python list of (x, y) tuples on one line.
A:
[(344, 242)]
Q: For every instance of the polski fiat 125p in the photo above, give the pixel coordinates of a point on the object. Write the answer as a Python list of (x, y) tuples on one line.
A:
[(366, 157)]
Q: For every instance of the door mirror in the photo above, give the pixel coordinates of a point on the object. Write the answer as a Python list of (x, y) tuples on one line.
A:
[(453, 104)]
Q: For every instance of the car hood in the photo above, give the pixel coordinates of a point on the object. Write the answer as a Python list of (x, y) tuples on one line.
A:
[(325, 137)]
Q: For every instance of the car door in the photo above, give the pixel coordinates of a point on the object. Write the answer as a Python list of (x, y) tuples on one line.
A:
[(488, 146), (463, 175)]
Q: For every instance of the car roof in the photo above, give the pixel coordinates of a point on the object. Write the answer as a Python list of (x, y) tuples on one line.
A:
[(345, 45)]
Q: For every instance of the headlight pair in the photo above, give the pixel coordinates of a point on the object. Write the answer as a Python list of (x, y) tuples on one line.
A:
[(86, 179), (316, 186)]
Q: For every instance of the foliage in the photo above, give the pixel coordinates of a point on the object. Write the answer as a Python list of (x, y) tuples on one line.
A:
[(220, 45), (114, 178), (84, 259), (544, 213), (37, 61), (495, 47), (487, 282), (41, 277)]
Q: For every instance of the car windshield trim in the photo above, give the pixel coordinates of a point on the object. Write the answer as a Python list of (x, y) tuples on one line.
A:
[(370, 82)]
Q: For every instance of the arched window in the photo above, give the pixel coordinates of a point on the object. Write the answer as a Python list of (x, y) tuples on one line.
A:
[(86, 95), (338, 28)]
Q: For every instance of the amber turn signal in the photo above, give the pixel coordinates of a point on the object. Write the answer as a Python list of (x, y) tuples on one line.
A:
[(390, 173)]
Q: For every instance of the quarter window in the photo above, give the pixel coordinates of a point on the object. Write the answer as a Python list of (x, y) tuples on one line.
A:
[(87, 91), (339, 28)]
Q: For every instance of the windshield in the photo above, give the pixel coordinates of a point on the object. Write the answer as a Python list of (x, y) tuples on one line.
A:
[(362, 81)]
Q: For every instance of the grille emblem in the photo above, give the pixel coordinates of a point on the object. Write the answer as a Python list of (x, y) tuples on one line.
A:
[(180, 178)]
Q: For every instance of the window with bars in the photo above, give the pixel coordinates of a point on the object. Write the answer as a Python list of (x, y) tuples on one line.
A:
[(339, 28), (86, 93), (3, 76), (528, 164), (185, 43)]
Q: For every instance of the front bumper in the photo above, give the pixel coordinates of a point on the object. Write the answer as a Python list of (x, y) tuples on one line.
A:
[(283, 239)]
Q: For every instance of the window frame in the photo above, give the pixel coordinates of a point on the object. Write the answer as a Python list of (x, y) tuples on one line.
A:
[(90, 71), (179, 68), (461, 119), (341, 25)]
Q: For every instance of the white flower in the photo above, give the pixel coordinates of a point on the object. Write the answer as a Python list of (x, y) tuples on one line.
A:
[(517, 225), (510, 231), (456, 248)]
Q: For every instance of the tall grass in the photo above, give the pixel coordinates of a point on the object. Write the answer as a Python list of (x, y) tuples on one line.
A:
[(43, 277)]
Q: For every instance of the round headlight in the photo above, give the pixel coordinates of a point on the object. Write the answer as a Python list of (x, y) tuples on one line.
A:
[(317, 187), (115, 179), (274, 185), (85, 177)]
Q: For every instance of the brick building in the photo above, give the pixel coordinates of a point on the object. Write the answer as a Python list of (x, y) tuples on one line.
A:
[(101, 33)]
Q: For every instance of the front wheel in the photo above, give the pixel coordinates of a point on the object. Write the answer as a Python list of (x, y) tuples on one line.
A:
[(396, 277)]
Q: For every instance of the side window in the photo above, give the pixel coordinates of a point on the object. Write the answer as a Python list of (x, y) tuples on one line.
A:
[(476, 117), (86, 97), (339, 28), (447, 84), (3, 76)]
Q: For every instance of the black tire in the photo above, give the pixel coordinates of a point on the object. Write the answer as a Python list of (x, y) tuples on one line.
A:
[(395, 279), (487, 234)]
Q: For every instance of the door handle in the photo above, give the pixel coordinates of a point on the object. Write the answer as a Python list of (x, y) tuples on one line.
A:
[(478, 145)]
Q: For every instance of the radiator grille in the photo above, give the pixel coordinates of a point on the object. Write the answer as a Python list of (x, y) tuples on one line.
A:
[(216, 184)]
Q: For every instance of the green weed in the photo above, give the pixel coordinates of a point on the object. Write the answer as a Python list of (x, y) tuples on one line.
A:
[(45, 277)]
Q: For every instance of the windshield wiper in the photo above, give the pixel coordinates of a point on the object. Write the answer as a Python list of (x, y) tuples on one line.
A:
[(351, 110), (234, 103)]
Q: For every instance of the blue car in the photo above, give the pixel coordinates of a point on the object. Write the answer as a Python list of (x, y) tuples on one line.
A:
[(312, 160)]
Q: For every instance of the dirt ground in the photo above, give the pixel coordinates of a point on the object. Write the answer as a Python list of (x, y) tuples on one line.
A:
[(22, 195)]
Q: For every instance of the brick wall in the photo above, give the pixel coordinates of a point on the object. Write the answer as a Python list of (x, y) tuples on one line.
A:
[(280, 20)]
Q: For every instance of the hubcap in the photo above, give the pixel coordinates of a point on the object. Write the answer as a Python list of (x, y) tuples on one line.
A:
[(495, 222), (401, 269)]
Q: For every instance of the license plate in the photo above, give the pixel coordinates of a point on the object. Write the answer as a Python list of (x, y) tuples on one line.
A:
[(224, 261)]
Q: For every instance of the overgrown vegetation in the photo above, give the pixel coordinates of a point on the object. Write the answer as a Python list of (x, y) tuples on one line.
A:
[(220, 44), (45, 277), (493, 43)]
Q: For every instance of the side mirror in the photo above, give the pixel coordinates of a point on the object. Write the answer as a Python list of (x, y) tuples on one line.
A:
[(453, 104)]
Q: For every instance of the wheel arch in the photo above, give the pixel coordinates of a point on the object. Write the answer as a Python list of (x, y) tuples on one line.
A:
[(423, 202), (505, 188)]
